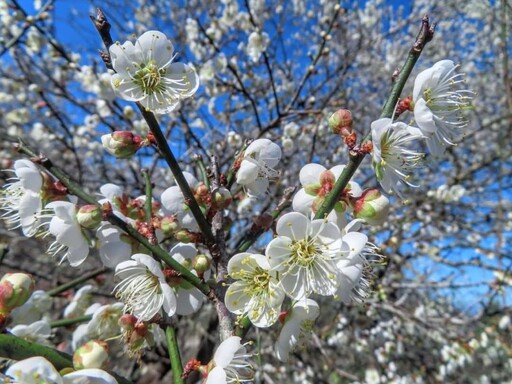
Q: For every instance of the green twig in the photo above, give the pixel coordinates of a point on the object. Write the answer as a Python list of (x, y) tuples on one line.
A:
[(174, 355), (204, 174), (15, 348), (73, 283), (72, 321)]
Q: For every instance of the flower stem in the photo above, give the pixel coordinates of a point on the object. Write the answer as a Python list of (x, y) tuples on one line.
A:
[(424, 36), (72, 321), (174, 354), (73, 283)]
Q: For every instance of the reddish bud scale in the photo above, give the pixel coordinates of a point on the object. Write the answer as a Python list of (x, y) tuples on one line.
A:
[(350, 140), (404, 105), (366, 148), (282, 316), (191, 366)]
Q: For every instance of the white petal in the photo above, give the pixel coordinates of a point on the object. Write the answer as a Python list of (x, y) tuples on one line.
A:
[(303, 202), (356, 242), (26, 371), (186, 251), (188, 301), (424, 117), (293, 225), (310, 174), (89, 376), (247, 173), (226, 351), (169, 304), (258, 187), (216, 376)]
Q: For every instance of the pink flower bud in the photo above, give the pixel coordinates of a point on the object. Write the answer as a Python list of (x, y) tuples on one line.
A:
[(93, 354), (121, 144), (89, 216), (15, 290), (340, 122), (372, 206)]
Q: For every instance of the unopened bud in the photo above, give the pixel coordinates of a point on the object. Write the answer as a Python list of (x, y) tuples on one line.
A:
[(169, 225), (93, 354), (121, 144), (127, 322), (340, 122), (222, 198), (15, 290), (201, 264), (185, 236), (89, 216), (372, 206)]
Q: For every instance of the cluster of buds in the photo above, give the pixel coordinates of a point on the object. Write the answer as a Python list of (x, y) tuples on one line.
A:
[(15, 290)]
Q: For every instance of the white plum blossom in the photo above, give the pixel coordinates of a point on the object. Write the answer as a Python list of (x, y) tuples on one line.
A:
[(188, 298), (146, 73), (393, 160), (114, 245), (305, 253), (257, 166), (256, 291), (21, 198), (38, 370), (355, 270), (439, 100), (37, 307), (143, 288), (258, 43), (37, 332), (173, 203), (230, 363), (316, 183), (80, 302), (69, 239), (297, 321)]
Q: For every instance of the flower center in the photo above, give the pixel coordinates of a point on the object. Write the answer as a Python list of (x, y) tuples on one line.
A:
[(138, 290), (257, 280), (304, 252), (149, 77)]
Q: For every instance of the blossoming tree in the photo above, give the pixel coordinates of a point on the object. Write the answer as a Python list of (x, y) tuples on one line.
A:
[(296, 174)]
